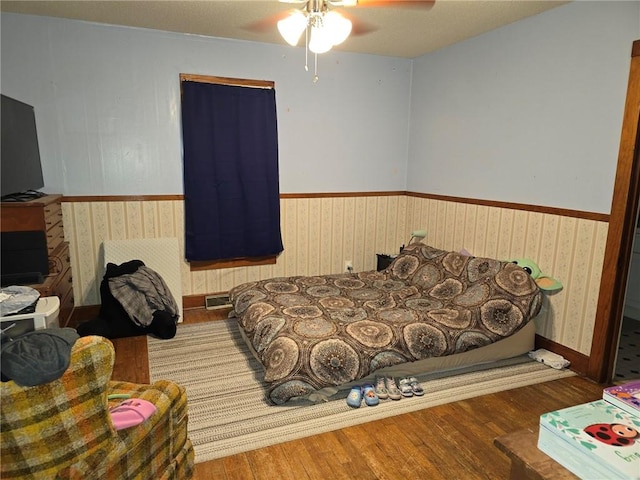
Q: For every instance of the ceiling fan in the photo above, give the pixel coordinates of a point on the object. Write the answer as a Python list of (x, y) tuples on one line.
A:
[(324, 25)]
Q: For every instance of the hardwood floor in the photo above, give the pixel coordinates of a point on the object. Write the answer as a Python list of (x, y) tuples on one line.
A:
[(452, 441)]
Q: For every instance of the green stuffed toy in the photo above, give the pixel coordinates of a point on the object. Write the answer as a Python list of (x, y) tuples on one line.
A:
[(545, 282)]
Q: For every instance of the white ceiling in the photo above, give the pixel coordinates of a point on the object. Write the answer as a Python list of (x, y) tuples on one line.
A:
[(398, 32)]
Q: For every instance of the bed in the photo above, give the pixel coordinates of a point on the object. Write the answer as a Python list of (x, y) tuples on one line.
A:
[(429, 309)]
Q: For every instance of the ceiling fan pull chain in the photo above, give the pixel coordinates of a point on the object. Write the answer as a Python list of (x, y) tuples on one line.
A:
[(315, 73), (306, 50)]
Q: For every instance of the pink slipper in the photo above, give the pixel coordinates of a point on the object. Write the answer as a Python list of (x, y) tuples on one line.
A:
[(131, 413)]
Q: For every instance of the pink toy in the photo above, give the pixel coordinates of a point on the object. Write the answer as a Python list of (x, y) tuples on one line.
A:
[(131, 413)]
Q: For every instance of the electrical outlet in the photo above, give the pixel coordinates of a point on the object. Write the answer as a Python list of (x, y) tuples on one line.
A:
[(348, 266)]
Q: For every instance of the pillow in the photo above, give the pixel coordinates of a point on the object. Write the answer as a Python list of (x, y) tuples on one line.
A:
[(411, 259)]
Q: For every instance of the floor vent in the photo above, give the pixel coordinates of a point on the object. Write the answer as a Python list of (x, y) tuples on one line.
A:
[(213, 302)]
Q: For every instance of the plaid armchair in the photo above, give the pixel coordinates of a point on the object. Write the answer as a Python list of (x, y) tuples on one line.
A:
[(63, 429)]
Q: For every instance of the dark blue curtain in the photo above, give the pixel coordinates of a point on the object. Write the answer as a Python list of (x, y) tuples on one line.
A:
[(231, 190)]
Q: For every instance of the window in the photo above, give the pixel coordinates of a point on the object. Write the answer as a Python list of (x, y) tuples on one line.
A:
[(230, 152)]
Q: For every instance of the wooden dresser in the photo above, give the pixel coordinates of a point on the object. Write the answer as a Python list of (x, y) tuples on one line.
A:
[(45, 214)]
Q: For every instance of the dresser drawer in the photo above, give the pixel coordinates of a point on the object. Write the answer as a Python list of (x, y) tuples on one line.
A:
[(59, 259), (55, 237), (53, 224), (59, 285), (66, 309), (52, 213), (64, 285), (55, 284)]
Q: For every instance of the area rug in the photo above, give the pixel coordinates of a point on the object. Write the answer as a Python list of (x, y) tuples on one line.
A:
[(229, 414)]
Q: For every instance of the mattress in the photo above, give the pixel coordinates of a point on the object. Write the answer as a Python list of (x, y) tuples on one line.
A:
[(520, 343)]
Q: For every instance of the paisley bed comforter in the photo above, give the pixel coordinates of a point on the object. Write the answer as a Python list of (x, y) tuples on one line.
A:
[(314, 332)]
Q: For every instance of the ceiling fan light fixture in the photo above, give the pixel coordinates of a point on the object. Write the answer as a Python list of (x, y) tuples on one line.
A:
[(320, 41), (291, 28), (337, 26), (324, 28)]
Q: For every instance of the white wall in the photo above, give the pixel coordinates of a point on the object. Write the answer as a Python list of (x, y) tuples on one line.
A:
[(108, 107), (529, 113)]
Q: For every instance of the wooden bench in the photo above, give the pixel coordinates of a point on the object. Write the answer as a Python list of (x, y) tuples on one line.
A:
[(528, 462)]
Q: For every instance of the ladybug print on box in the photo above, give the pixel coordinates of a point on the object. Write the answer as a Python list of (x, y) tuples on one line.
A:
[(614, 434)]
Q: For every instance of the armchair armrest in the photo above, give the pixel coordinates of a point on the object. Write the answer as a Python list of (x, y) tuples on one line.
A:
[(156, 449)]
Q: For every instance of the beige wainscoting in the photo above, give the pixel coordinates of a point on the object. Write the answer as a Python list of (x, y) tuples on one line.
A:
[(320, 232), (566, 247)]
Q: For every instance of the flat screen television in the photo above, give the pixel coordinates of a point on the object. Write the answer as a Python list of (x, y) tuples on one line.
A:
[(20, 167)]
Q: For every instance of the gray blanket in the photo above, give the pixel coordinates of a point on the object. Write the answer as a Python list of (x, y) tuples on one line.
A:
[(141, 293)]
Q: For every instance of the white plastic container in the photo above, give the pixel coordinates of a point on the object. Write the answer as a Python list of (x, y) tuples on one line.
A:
[(45, 316)]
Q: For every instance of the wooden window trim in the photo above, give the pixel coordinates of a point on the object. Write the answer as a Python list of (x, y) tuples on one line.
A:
[(241, 82), (199, 266)]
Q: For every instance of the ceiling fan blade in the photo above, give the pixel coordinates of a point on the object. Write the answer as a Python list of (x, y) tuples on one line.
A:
[(358, 27), (417, 4), (361, 28), (268, 23)]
